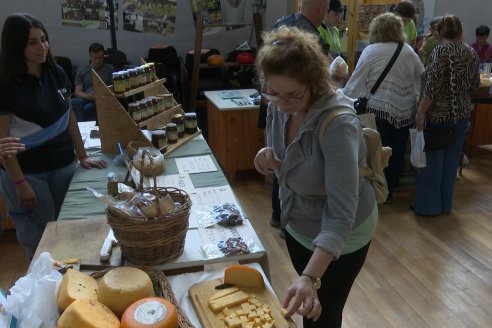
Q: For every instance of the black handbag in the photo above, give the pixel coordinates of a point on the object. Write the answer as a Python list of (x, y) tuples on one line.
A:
[(360, 105), (440, 137)]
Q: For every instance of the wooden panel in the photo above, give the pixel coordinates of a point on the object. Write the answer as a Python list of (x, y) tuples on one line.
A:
[(480, 131), (199, 294)]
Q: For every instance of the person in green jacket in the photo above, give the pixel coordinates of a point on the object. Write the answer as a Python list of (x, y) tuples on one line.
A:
[(406, 10), (328, 28)]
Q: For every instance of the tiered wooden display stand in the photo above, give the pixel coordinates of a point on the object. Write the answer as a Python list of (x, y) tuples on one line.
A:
[(117, 126)]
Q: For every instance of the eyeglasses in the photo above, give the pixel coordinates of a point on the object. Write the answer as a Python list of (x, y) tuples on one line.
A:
[(287, 99)]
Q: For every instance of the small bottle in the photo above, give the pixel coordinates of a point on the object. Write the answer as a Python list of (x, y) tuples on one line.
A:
[(172, 133), (190, 123), (142, 77), (178, 119), (118, 82), (112, 184), (152, 72), (134, 111), (148, 73), (155, 103), (134, 78), (159, 140), (143, 110), (168, 100), (150, 107), (128, 83)]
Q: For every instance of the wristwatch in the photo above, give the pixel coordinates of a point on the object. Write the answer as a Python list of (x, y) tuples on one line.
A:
[(316, 281)]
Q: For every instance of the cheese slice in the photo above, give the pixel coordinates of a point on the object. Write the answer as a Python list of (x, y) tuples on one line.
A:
[(223, 293), (87, 313), (122, 286), (229, 301), (151, 312), (243, 275), (76, 285)]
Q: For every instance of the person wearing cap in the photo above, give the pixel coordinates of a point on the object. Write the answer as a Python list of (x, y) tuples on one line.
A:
[(328, 28)]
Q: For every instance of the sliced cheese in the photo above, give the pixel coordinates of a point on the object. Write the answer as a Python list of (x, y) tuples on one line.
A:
[(228, 301), (87, 313), (122, 286), (151, 312), (242, 275), (223, 293), (76, 285)]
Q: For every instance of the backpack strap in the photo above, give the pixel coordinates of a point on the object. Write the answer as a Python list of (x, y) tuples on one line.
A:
[(330, 117)]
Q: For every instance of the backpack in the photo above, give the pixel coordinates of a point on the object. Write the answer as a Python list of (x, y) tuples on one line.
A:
[(377, 156)]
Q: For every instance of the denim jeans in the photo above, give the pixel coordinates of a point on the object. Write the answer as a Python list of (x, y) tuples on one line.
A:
[(50, 189), (84, 110), (436, 181)]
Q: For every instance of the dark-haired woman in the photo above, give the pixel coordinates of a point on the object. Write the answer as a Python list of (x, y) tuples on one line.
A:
[(453, 72), (35, 108)]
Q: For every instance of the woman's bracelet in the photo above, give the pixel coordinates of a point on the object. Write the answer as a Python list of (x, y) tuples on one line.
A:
[(18, 182)]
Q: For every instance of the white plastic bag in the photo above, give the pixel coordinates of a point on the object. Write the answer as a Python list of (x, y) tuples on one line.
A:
[(417, 154), (338, 69), (32, 300)]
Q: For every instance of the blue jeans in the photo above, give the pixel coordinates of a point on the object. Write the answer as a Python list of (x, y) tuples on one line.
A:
[(436, 181), (50, 189), (84, 110)]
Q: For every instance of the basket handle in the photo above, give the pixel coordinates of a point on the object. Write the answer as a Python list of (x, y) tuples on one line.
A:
[(154, 189)]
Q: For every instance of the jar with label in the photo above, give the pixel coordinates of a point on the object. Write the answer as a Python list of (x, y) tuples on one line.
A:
[(172, 133), (134, 82), (190, 123), (150, 108), (168, 100), (126, 75), (142, 76), (118, 82), (159, 140), (148, 72), (178, 119), (157, 110), (143, 110), (152, 72), (134, 111)]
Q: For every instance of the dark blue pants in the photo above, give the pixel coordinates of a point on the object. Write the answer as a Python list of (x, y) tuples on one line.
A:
[(397, 140), (275, 199), (436, 181), (335, 283), (84, 110)]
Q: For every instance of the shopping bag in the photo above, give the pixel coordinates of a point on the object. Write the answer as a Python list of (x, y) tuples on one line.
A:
[(417, 154)]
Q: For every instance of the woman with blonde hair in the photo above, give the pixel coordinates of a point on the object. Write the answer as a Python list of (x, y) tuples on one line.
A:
[(394, 102), (453, 72), (329, 213)]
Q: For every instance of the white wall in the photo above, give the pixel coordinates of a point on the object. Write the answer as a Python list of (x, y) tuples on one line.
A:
[(74, 42)]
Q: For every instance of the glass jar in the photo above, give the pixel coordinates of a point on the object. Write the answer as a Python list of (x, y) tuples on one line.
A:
[(159, 140), (126, 75), (152, 72), (155, 103), (143, 110), (134, 111), (150, 107), (178, 119), (167, 99), (118, 82), (148, 73), (172, 133), (190, 123), (142, 77), (134, 82)]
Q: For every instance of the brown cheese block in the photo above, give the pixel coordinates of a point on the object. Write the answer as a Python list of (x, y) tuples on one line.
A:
[(243, 275), (122, 286), (76, 285), (87, 313)]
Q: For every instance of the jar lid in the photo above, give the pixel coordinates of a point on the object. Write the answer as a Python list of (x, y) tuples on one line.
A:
[(158, 132), (178, 116), (190, 115), (171, 125)]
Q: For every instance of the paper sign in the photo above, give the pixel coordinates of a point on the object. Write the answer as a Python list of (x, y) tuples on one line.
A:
[(195, 164), (181, 181)]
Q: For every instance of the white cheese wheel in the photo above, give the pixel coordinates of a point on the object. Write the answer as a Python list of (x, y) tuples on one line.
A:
[(122, 286)]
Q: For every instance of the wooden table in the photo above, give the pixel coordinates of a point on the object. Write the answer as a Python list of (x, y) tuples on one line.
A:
[(481, 120), (233, 134)]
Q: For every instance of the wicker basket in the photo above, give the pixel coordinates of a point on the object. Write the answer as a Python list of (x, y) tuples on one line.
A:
[(162, 288), (153, 241)]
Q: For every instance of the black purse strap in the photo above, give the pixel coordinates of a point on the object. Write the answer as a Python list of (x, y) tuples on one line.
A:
[(387, 68)]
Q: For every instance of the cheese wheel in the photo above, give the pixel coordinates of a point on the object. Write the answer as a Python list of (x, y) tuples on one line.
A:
[(76, 285), (242, 275), (87, 313), (122, 286), (151, 312)]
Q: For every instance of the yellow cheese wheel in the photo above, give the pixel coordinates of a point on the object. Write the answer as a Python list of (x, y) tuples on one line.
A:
[(76, 285), (151, 312), (86, 313), (242, 275), (122, 286)]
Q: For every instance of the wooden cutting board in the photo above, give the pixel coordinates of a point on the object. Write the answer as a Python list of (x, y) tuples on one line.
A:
[(200, 293)]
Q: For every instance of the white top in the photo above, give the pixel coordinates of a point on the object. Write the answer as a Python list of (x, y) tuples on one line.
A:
[(396, 98)]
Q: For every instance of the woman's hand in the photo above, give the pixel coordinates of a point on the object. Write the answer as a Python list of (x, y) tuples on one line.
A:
[(419, 122), (9, 146), (86, 163), (25, 195), (266, 161), (302, 298)]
